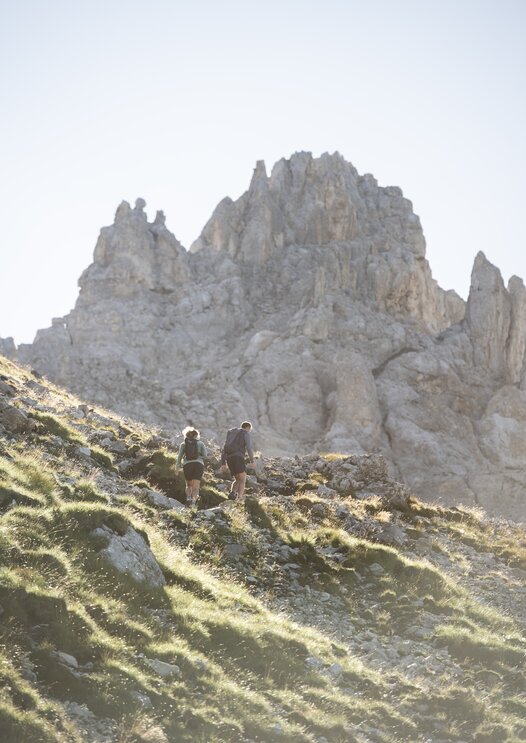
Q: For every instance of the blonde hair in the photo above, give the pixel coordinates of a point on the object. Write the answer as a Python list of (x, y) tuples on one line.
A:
[(191, 432)]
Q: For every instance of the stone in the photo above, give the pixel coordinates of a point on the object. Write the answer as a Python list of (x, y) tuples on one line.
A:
[(235, 550), (163, 669), (325, 492), (143, 699), (316, 282), (129, 553), (314, 662), (13, 419), (29, 402), (83, 451), (7, 389), (68, 660), (162, 501), (117, 447), (391, 535)]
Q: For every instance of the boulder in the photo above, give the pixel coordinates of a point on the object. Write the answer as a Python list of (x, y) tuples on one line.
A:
[(129, 553), (14, 420)]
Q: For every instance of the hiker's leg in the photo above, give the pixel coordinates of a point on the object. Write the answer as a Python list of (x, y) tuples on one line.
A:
[(195, 490), (241, 479), (188, 490)]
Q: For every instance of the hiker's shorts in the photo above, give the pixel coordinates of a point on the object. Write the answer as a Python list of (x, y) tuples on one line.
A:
[(236, 464), (193, 471)]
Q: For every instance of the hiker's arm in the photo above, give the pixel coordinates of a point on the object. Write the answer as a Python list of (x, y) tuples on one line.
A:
[(204, 452), (250, 450), (179, 457)]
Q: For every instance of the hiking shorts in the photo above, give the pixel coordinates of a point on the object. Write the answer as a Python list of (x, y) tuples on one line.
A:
[(193, 471), (236, 464)]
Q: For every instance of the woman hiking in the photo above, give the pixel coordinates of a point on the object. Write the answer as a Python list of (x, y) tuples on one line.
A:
[(192, 453)]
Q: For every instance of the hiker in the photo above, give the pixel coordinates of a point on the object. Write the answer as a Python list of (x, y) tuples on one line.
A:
[(192, 452), (237, 442)]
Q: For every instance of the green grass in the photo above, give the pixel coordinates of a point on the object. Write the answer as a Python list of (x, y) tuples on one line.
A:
[(481, 645), (55, 426), (242, 658)]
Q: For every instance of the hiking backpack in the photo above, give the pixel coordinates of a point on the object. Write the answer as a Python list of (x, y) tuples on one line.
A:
[(190, 449), (235, 441)]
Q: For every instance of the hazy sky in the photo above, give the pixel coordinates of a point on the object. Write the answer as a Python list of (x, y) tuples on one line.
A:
[(175, 101)]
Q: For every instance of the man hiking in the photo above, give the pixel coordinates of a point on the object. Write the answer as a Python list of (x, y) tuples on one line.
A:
[(237, 442)]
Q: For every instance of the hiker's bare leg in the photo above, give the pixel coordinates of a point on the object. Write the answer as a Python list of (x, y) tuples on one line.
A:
[(241, 479), (195, 490), (188, 490)]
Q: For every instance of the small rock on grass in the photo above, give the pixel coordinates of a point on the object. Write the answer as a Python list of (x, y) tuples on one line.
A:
[(66, 658), (162, 668)]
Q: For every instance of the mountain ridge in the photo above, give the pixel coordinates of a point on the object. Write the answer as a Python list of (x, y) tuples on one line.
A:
[(318, 265)]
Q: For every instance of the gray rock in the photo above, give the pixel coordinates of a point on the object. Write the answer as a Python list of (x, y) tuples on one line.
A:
[(117, 447), (314, 662), (83, 451), (68, 660), (14, 420), (130, 554), (29, 402), (163, 669), (143, 699), (391, 535), (7, 389), (235, 550), (28, 674), (162, 501)]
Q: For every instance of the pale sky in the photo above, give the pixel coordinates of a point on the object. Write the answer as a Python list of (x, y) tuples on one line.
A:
[(175, 101)]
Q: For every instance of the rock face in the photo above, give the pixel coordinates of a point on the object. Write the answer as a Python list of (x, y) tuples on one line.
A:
[(8, 348), (307, 306)]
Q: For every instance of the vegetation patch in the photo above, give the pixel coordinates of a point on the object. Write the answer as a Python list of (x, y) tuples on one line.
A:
[(283, 618)]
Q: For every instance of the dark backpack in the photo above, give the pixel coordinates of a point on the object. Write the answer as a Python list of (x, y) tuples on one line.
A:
[(190, 449), (235, 441)]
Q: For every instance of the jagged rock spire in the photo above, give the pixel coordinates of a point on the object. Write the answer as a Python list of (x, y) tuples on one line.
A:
[(496, 321)]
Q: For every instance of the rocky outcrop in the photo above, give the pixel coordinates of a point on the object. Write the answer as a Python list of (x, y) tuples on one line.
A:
[(308, 306), (7, 348)]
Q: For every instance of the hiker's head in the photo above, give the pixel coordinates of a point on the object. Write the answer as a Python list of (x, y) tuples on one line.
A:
[(246, 425), (191, 433)]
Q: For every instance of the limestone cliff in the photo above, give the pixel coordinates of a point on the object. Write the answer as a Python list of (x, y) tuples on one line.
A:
[(308, 306)]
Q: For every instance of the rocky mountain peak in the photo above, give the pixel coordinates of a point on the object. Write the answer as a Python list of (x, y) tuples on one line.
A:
[(133, 255), (307, 305), (312, 201)]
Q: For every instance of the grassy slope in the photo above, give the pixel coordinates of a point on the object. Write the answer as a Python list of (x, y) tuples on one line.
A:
[(235, 624)]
